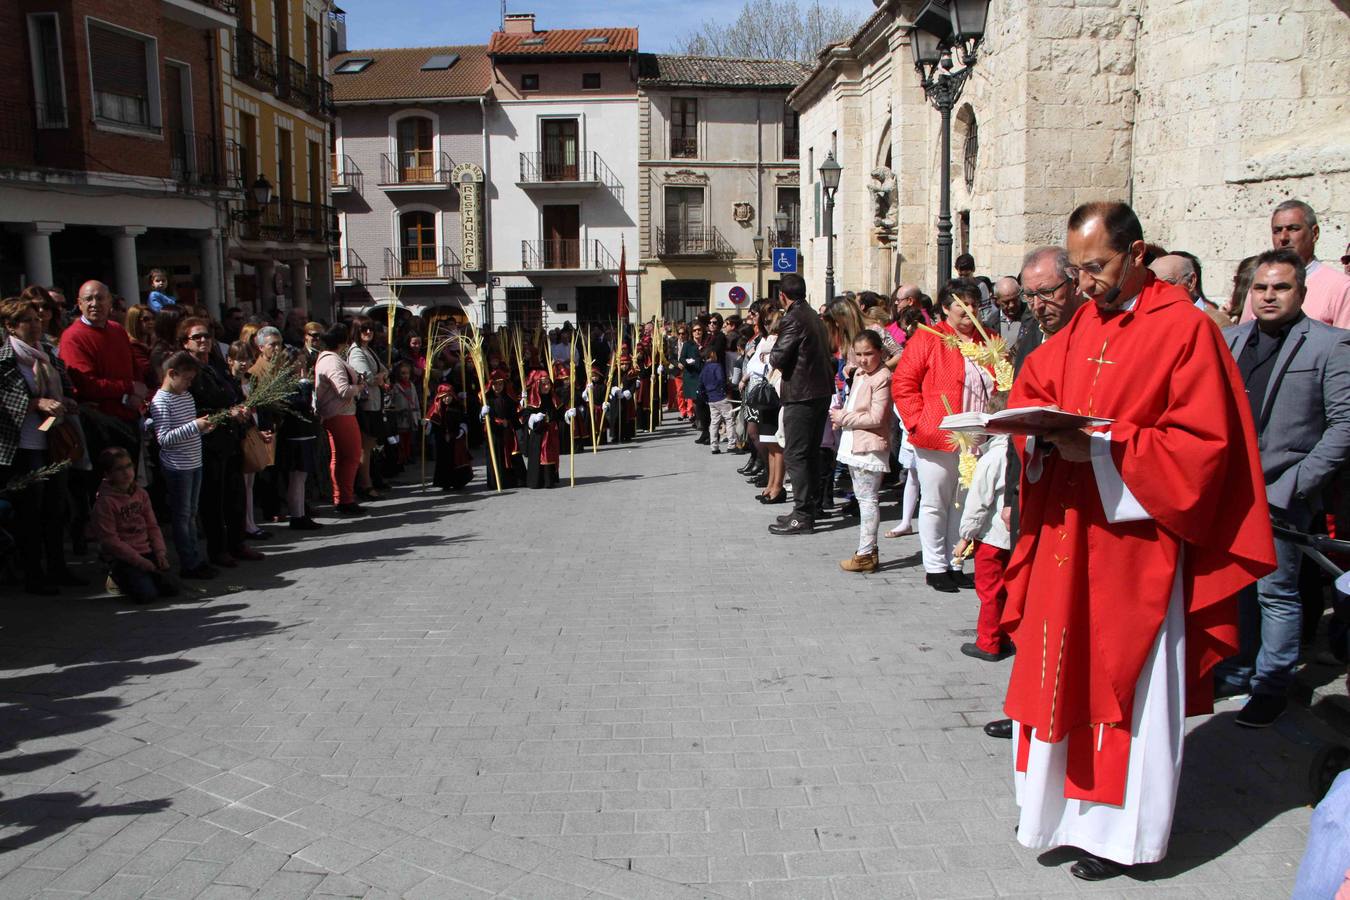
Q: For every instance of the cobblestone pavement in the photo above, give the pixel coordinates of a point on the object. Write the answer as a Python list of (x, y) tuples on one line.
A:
[(627, 689)]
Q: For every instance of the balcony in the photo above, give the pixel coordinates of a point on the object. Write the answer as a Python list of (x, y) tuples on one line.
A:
[(683, 148), (566, 255), (321, 93), (294, 84), (407, 270), (344, 176), (550, 169), (254, 60), (787, 238), (349, 271), (288, 221), (209, 14), (699, 242), (416, 170), (196, 160)]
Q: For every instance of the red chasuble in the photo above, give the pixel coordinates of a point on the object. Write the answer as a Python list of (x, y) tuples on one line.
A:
[(1086, 598)]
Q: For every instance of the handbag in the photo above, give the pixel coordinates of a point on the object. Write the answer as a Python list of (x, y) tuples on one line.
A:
[(761, 397), (258, 453), (64, 443)]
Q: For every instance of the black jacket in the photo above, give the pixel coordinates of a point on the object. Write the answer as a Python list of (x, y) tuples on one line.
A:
[(802, 355)]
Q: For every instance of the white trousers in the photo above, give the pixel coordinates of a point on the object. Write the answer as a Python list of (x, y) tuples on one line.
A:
[(939, 519), (1136, 832)]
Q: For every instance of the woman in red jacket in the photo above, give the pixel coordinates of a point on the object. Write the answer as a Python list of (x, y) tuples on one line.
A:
[(931, 372)]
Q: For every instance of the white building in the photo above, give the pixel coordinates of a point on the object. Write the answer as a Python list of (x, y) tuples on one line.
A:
[(562, 172)]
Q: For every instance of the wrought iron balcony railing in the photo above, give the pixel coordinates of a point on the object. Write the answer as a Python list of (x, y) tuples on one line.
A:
[(254, 60), (683, 148), (559, 167), (421, 263), (566, 253), (344, 175), (352, 269), (416, 167), (692, 242), (196, 159), (786, 238)]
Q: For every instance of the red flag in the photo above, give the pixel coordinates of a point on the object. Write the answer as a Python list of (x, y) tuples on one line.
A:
[(623, 283)]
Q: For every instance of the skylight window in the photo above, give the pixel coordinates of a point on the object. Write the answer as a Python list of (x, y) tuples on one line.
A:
[(352, 66), (440, 61), (597, 39), (532, 42)]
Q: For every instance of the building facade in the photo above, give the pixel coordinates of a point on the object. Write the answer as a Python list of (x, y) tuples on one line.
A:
[(719, 148), (277, 108), (112, 157), (1202, 115), (407, 177), (562, 172)]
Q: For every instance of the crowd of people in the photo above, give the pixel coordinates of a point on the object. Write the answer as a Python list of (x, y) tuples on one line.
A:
[(121, 423)]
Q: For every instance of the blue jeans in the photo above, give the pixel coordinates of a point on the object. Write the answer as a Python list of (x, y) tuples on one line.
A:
[(183, 488), (138, 585), (1270, 620)]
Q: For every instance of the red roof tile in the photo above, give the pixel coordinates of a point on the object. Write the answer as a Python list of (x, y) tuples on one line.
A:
[(397, 74), (564, 41)]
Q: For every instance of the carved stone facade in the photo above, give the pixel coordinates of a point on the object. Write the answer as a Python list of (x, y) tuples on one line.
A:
[(1204, 115)]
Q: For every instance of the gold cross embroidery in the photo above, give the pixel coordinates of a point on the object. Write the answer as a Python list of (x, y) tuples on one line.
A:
[(1101, 360)]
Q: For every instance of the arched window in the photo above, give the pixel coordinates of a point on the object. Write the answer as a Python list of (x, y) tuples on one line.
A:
[(416, 159), (417, 237)]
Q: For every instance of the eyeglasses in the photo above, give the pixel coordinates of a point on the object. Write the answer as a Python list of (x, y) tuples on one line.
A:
[(1044, 294), (1094, 269), (198, 337)]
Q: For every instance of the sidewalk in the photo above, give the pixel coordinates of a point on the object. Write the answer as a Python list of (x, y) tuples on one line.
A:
[(626, 689)]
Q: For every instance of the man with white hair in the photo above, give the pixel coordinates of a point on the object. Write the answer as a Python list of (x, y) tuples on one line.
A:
[(1294, 224)]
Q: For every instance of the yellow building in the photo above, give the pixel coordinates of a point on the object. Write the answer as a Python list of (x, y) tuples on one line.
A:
[(277, 111)]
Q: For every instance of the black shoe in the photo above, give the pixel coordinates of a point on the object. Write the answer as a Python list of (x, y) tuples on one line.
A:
[(747, 468), (1094, 868), (717, 451), (1225, 689), (761, 480), (705, 440), (793, 525), (962, 580), (67, 578), (942, 582), (784, 519), (973, 650), (999, 728), (1261, 711), (768, 501), (304, 523)]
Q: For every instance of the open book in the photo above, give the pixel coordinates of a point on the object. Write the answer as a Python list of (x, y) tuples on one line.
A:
[(1033, 420)]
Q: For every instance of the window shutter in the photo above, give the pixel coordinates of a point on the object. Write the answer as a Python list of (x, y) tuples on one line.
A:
[(119, 63)]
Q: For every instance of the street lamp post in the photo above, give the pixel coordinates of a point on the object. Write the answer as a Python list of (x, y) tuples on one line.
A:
[(830, 171), (758, 241), (939, 29)]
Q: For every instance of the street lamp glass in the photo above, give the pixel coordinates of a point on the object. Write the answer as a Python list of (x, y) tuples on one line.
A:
[(830, 171), (780, 221), (758, 241), (935, 18), (968, 19), (262, 191), (927, 48)]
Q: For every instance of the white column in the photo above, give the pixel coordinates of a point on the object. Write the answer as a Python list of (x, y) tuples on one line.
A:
[(126, 278), (213, 280), (299, 288), (37, 251)]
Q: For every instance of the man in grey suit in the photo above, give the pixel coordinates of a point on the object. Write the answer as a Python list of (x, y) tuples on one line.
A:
[(1297, 374)]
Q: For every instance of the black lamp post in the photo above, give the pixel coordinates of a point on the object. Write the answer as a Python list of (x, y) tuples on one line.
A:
[(830, 171), (758, 241), (261, 192), (939, 29)]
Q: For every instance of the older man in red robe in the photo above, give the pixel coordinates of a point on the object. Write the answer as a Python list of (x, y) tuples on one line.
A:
[(1135, 539)]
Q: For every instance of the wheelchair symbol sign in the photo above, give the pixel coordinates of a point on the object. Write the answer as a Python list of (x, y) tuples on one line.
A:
[(785, 259)]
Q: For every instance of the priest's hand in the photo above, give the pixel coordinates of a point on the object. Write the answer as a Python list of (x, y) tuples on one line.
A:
[(463, 430), (570, 415), (627, 395), (1073, 445), (483, 413)]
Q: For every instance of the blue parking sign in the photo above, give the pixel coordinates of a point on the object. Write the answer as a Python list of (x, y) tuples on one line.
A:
[(784, 259)]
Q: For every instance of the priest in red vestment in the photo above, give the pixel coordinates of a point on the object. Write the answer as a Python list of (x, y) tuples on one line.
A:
[(1135, 539)]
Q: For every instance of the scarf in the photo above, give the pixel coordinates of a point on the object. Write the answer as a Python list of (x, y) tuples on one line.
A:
[(46, 381)]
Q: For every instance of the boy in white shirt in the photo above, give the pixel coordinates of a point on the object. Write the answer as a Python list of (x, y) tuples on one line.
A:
[(982, 525)]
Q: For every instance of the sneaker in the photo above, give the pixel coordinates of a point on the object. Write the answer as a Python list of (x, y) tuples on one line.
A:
[(1261, 711), (856, 563)]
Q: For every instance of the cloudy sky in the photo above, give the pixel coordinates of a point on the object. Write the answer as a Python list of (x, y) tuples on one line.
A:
[(379, 23)]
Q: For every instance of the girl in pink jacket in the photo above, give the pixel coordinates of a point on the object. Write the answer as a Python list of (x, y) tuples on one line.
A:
[(865, 442)]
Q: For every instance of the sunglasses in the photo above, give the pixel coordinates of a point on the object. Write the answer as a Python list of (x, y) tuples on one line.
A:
[(198, 337)]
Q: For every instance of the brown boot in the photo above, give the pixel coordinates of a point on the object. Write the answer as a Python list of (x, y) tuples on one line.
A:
[(858, 563)]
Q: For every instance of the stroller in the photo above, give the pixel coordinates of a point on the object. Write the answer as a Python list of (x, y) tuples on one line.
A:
[(1331, 759)]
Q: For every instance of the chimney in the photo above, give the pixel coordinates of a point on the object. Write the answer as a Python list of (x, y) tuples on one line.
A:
[(519, 23)]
